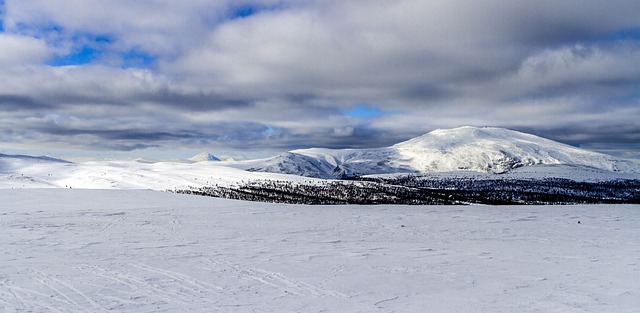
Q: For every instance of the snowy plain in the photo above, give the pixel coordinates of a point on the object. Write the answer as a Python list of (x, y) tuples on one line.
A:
[(146, 251)]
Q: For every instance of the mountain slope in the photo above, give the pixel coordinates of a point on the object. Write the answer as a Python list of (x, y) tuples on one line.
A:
[(489, 150), (10, 162), (204, 156), (497, 150)]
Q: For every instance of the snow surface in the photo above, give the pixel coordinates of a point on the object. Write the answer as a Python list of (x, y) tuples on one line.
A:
[(143, 251), (18, 172)]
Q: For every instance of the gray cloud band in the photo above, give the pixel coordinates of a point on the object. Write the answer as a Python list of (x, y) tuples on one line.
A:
[(545, 67)]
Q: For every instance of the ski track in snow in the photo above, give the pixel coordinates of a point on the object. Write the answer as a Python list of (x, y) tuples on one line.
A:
[(144, 251)]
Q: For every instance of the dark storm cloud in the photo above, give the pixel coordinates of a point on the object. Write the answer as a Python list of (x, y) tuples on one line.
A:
[(360, 137), (125, 134), (425, 93), (598, 136), (195, 101), (15, 103), (285, 140), (100, 145), (164, 97)]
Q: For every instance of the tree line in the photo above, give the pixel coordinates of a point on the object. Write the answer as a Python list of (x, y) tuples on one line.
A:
[(425, 190)]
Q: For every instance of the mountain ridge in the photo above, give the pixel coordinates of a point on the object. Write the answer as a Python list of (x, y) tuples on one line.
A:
[(468, 148)]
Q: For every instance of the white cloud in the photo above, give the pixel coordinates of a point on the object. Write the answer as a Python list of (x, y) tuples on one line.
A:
[(296, 65), (19, 50), (91, 85)]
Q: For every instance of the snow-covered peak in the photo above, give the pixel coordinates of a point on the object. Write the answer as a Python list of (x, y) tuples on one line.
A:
[(204, 156), (497, 150), (468, 148), (447, 138)]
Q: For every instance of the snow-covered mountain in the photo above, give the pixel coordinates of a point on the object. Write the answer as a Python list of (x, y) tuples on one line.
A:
[(204, 156), (486, 149), (449, 153)]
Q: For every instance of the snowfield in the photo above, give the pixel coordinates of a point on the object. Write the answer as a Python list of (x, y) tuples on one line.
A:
[(144, 251)]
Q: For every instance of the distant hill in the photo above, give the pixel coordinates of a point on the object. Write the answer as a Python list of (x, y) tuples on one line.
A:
[(204, 156), (10, 162), (486, 149)]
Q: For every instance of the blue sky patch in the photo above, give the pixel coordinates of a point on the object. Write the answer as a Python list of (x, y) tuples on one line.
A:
[(244, 11), (629, 34), (91, 48), (84, 55), (1, 16), (102, 39), (364, 111)]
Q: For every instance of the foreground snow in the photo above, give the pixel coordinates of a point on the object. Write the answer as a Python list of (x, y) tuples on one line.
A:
[(144, 251)]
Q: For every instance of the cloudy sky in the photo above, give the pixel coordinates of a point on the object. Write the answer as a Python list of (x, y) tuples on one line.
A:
[(165, 79)]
